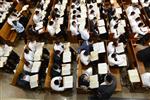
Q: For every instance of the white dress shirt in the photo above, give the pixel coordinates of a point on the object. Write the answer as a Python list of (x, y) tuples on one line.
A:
[(91, 16), (32, 45), (113, 22), (84, 34), (37, 18), (89, 71), (28, 68), (84, 59), (59, 47), (137, 29), (51, 30), (74, 30), (110, 47), (29, 56), (146, 79), (54, 86), (112, 61)]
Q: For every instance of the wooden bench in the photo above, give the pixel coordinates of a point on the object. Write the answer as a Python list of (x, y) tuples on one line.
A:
[(71, 38), (48, 75), (19, 70), (116, 73), (5, 33), (140, 65), (135, 63)]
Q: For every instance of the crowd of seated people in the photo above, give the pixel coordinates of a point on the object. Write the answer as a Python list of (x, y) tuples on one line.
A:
[(84, 19), (36, 59), (146, 5), (5, 8), (137, 25), (64, 55), (8, 58)]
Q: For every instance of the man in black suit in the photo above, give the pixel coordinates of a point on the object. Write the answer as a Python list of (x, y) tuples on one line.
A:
[(106, 89)]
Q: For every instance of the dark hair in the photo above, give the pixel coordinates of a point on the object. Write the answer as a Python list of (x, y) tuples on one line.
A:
[(57, 51), (72, 6), (14, 22), (92, 11), (57, 15), (26, 50), (57, 41), (115, 26), (36, 12), (140, 24), (74, 17), (73, 22), (115, 43), (56, 82), (113, 55), (82, 80), (78, 16), (138, 19), (55, 66), (115, 18), (51, 23), (94, 18), (74, 11), (86, 53), (108, 78), (91, 6), (145, 1), (132, 13), (56, 9)]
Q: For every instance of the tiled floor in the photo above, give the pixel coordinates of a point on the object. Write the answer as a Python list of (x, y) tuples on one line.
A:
[(9, 92)]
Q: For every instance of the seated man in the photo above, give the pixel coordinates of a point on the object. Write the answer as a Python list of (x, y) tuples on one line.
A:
[(37, 17), (111, 46), (115, 59), (106, 89), (51, 28), (19, 28), (56, 83), (58, 46), (84, 57), (84, 78), (85, 46), (28, 55), (32, 45), (23, 80)]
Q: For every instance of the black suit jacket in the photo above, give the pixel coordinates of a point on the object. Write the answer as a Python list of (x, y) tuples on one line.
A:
[(104, 92)]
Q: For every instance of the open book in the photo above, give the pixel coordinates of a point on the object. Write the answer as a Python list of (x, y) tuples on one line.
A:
[(66, 57), (133, 75), (34, 81), (68, 81), (36, 67), (102, 30), (99, 47), (101, 22), (102, 68), (66, 69), (94, 56), (94, 81)]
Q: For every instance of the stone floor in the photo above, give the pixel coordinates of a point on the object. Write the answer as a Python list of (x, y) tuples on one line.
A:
[(9, 92)]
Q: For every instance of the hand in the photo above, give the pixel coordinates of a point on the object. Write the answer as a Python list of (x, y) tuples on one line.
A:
[(12, 29)]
